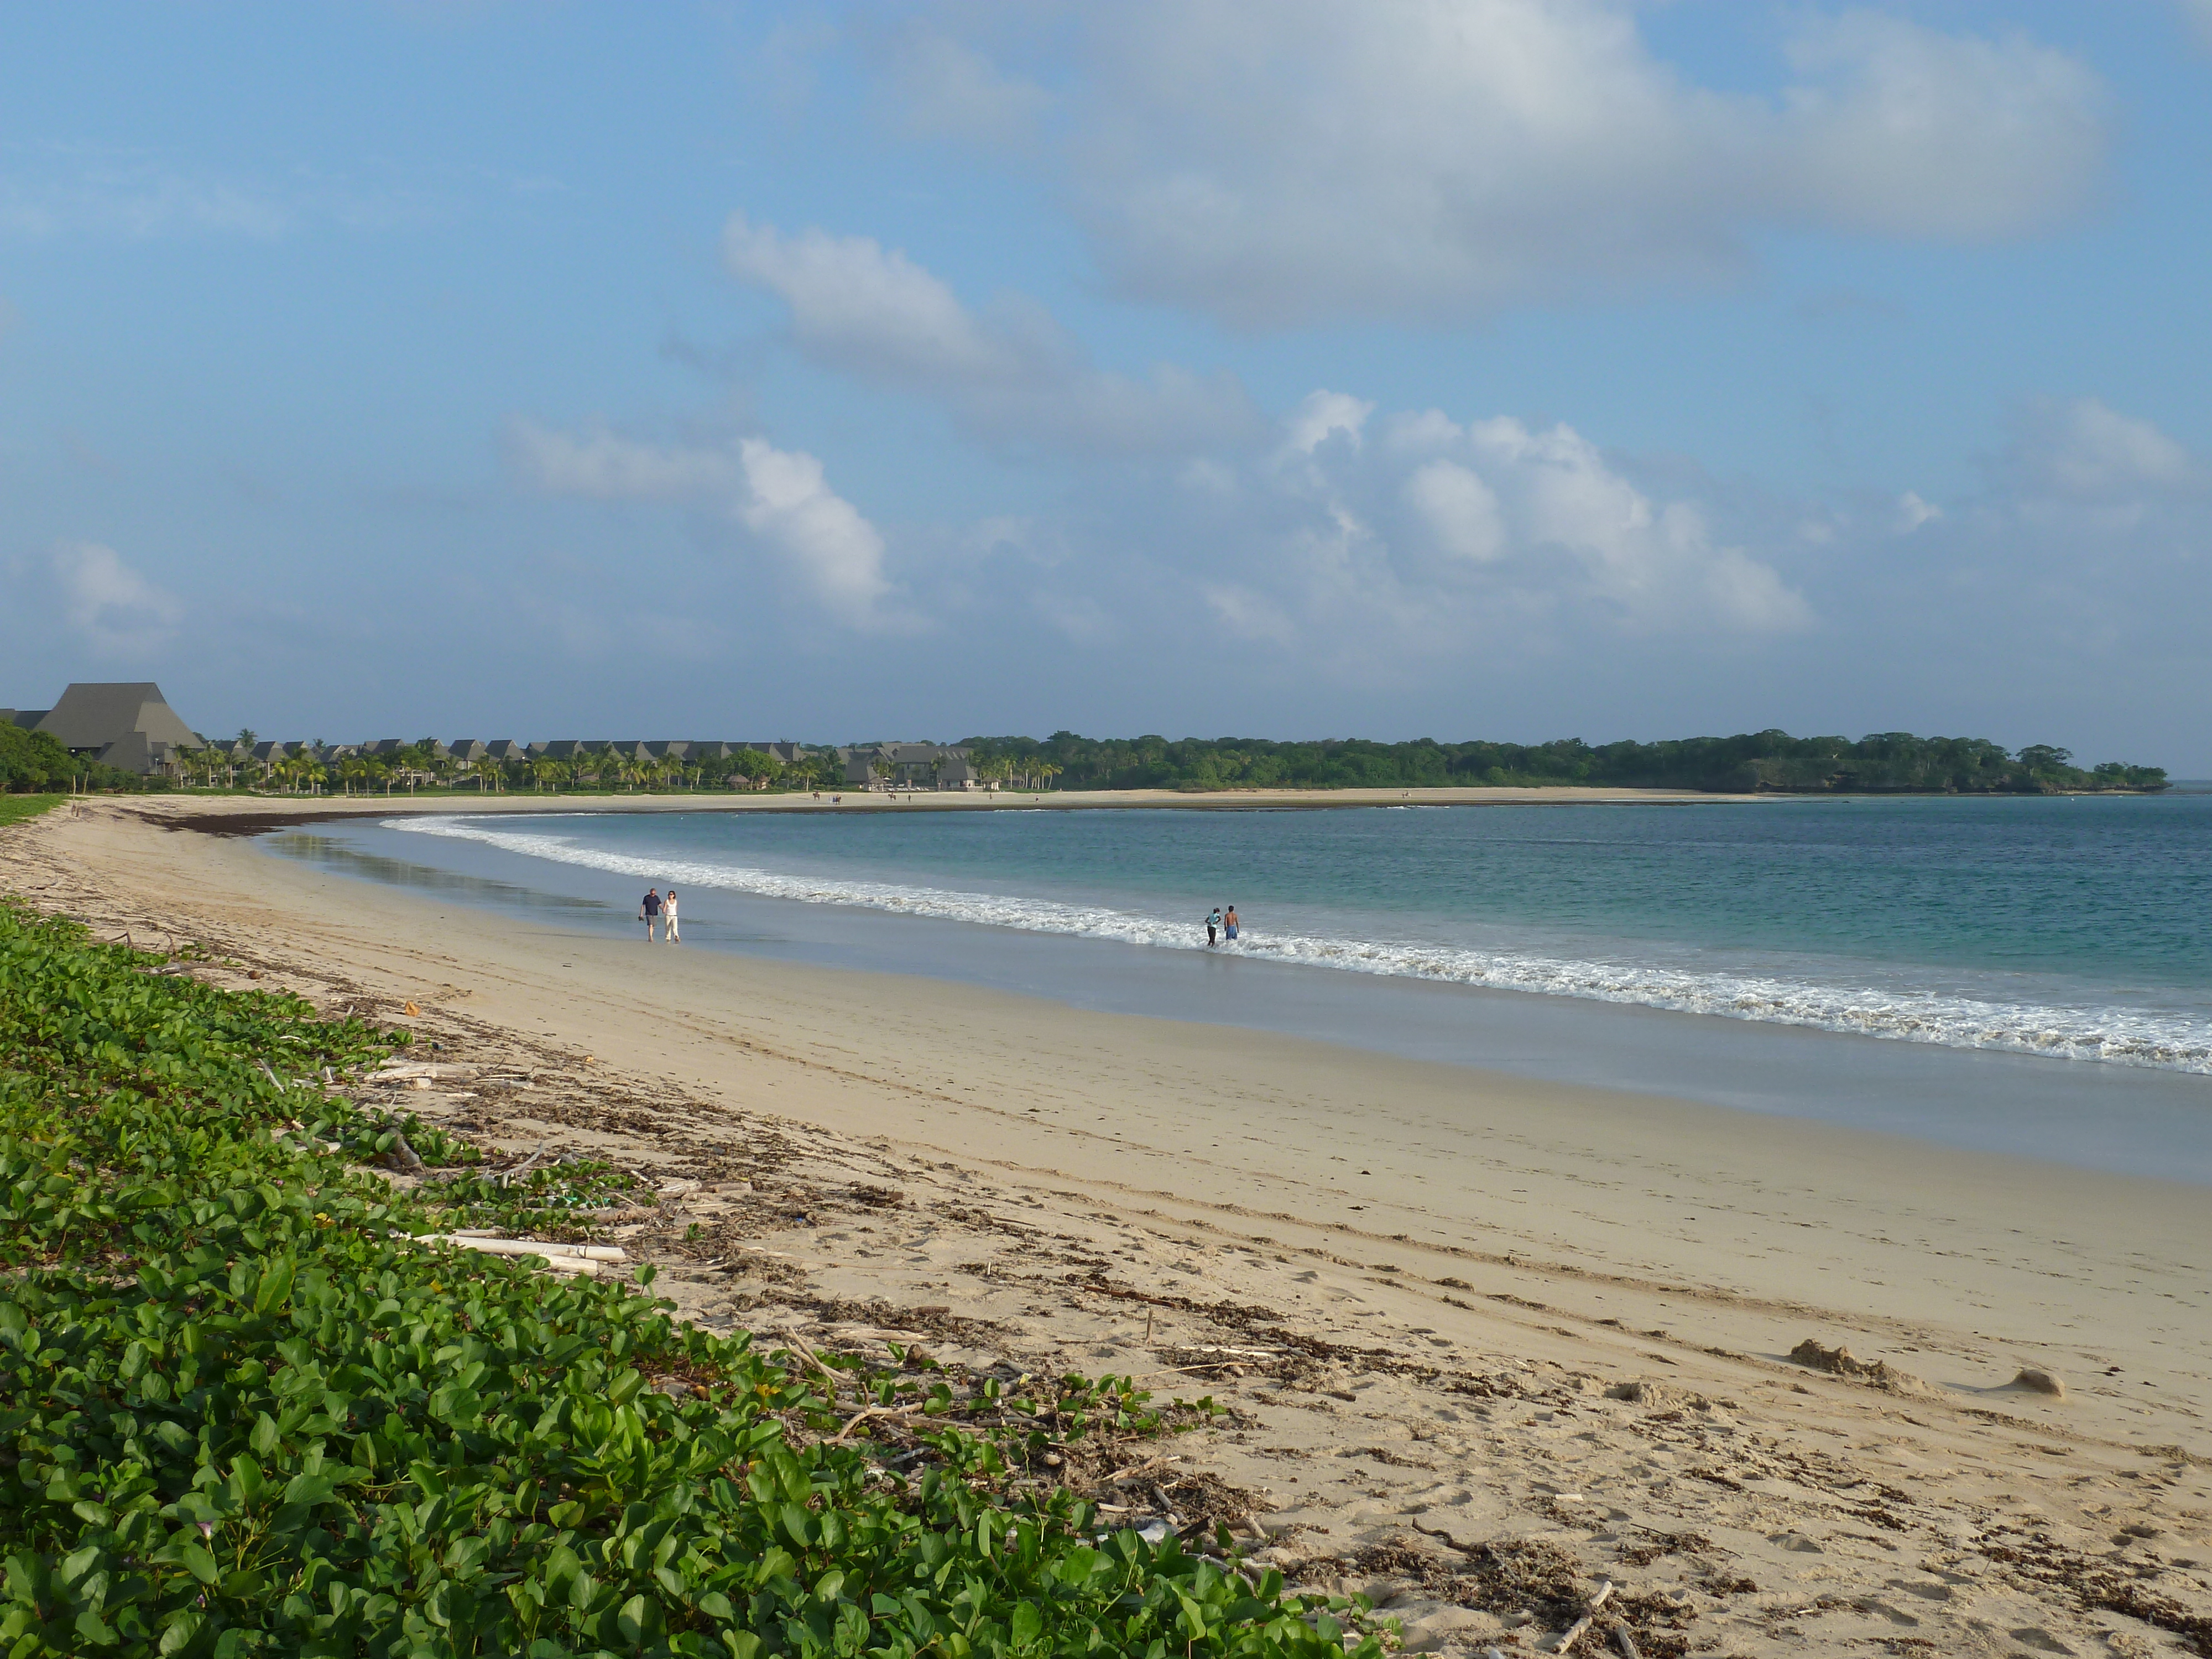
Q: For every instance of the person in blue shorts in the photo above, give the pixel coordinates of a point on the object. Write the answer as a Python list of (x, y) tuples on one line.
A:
[(1229, 925)]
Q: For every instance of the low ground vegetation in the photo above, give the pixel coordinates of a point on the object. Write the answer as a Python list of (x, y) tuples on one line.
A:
[(244, 1410)]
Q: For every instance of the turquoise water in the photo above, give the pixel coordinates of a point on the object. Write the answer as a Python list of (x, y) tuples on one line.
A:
[(2067, 927)]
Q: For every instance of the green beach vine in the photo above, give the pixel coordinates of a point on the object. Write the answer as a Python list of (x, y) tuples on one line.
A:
[(244, 1411)]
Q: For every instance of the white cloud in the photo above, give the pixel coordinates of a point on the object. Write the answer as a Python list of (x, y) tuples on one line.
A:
[(952, 90), (73, 190), (1656, 565), (1380, 553), (1901, 131), (2088, 448), (113, 606), (789, 506), (1247, 615), (781, 497), (136, 202), (859, 306), (1320, 415), (1275, 162), (603, 464), (1010, 373), (1913, 512), (1460, 510)]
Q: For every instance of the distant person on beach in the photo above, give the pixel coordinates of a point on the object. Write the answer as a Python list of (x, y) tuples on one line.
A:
[(648, 912), (1228, 923), (668, 918), (1212, 926)]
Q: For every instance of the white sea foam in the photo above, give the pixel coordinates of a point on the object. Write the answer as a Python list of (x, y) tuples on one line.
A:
[(2124, 1036)]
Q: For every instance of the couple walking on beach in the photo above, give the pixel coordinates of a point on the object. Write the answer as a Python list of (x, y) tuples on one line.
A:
[(657, 908), (1218, 923)]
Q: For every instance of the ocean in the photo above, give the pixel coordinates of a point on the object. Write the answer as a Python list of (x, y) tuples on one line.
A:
[(1615, 944)]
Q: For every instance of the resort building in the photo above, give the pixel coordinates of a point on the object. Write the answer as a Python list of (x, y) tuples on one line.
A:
[(128, 725), (907, 766)]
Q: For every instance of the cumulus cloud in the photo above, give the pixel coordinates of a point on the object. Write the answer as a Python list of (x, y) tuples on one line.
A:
[(1551, 498), (1320, 416), (781, 498), (1380, 545), (1297, 161), (1008, 372), (789, 506), (113, 605), (1459, 511)]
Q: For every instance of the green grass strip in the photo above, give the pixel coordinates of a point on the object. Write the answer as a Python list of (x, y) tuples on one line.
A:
[(241, 1413), (14, 809)]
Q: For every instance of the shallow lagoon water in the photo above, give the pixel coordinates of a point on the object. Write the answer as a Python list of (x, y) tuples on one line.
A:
[(1977, 910)]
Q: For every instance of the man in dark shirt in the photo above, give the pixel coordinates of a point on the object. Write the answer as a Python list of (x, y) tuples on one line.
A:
[(649, 911)]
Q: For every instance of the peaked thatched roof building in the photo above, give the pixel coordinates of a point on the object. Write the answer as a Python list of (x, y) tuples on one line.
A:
[(127, 723)]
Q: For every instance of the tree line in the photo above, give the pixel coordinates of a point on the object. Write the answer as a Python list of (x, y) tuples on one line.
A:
[(34, 762), (1886, 761), (1770, 760), (426, 763)]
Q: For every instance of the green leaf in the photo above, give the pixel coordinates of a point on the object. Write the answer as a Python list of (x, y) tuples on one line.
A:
[(797, 1525), (275, 1285)]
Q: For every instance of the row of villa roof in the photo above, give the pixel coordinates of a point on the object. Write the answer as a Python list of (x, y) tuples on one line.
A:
[(469, 751), (873, 766), (131, 726)]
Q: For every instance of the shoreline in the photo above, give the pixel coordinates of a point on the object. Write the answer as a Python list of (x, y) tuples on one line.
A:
[(2083, 1113), (238, 815), (1438, 1300)]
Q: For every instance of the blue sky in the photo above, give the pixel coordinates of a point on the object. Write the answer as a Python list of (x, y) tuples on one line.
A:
[(1514, 369)]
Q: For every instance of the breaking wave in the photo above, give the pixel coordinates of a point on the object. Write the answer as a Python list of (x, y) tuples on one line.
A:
[(2126, 1037)]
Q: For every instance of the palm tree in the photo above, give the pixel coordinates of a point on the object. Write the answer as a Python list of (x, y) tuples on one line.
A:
[(487, 771)]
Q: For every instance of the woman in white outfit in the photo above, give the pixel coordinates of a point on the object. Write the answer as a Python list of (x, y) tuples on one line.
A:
[(668, 916)]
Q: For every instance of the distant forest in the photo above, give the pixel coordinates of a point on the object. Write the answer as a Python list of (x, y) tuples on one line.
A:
[(1893, 762)]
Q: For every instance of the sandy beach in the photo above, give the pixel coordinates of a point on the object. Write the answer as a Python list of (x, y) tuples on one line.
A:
[(244, 815), (1480, 1338)]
